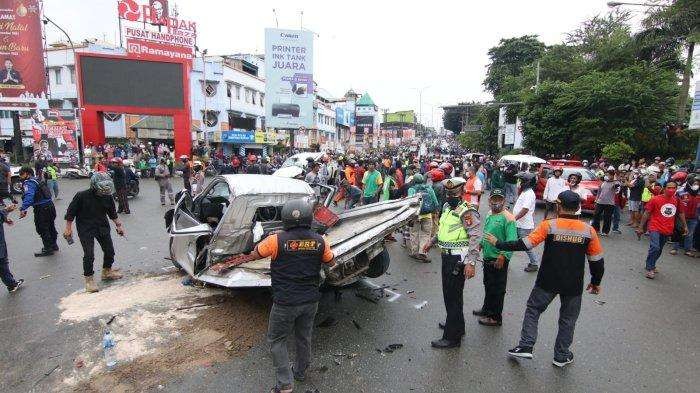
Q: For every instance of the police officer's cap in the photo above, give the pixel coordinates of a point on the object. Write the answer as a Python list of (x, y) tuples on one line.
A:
[(454, 182), (569, 200)]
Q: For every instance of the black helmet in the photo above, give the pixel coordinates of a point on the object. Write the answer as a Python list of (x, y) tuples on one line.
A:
[(670, 161), (297, 213), (527, 179)]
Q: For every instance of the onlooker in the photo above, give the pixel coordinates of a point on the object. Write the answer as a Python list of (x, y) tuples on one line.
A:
[(421, 229), (524, 211), (660, 212), (372, 182), (51, 172), (605, 202), (38, 196), (555, 185), (473, 188), (511, 184), (636, 187), (162, 176), (690, 201), (5, 182)]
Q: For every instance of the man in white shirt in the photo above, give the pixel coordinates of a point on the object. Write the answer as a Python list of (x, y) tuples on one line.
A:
[(555, 185), (524, 211)]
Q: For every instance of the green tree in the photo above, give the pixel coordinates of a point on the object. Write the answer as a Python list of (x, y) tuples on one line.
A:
[(509, 58), (618, 152)]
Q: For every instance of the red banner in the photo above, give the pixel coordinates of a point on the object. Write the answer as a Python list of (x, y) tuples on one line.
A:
[(22, 73), (147, 48)]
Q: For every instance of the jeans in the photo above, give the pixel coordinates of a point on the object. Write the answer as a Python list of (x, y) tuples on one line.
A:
[(605, 212), (522, 232), (656, 246), (53, 186), (122, 200), (5, 274), (495, 281), (688, 239), (453, 296), (44, 223), (568, 314), (617, 212), (511, 191), (284, 320), (87, 240)]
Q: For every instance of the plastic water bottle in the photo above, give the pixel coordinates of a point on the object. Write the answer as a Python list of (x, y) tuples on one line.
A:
[(108, 348)]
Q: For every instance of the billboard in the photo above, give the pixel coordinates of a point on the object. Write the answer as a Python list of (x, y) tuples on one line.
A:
[(23, 72), (176, 41), (289, 82), (143, 83), (54, 132), (695, 113), (400, 117)]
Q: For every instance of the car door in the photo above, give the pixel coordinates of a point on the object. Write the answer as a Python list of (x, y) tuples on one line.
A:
[(185, 230)]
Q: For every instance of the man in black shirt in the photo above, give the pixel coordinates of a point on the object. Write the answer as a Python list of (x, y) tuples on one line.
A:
[(90, 209), (636, 187), (120, 184)]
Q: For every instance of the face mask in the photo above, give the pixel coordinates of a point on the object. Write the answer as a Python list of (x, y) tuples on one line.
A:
[(496, 207), (453, 202), (670, 192)]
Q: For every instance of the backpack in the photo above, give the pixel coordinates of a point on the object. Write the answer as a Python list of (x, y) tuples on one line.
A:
[(427, 204)]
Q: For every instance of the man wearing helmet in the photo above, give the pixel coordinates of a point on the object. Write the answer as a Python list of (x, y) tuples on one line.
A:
[(90, 210), (296, 254)]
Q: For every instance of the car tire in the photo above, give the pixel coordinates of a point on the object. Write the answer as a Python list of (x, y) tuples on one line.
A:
[(379, 264), (16, 186)]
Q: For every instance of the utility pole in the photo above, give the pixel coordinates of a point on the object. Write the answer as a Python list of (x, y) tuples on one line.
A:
[(206, 112), (537, 81)]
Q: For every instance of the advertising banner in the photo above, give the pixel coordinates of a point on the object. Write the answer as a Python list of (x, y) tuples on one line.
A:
[(54, 132), (289, 82), (237, 136), (400, 117), (23, 72), (174, 38), (694, 123)]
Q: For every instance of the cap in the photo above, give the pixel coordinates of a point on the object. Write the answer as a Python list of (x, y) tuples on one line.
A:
[(569, 200), (497, 192), (454, 182)]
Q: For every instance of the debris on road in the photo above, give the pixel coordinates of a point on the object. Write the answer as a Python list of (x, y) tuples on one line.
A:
[(390, 348), (420, 305), (44, 277), (599, 302)]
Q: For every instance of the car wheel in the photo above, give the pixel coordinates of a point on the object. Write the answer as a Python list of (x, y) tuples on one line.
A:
[(172, 255), (379, 264), (16, 185)]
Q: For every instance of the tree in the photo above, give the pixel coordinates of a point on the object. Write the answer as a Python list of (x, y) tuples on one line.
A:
[(509, 58), (618, 151)]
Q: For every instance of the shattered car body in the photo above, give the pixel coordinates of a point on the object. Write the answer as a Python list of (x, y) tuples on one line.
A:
[(235, 212)]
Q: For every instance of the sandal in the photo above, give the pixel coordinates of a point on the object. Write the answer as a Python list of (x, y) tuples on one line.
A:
[(689, 254)]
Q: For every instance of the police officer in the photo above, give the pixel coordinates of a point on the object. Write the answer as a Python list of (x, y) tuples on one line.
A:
[(458, 238), (568, 242), (296, 255), (38, 196)]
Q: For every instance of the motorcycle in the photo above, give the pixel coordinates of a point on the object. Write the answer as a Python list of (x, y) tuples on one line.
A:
[(132, 188), (76, 172)]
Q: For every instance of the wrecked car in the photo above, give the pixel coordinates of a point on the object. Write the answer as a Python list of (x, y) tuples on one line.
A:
[(235, 212)]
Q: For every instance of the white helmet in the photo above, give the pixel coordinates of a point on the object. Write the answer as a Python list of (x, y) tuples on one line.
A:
[(611, 168)]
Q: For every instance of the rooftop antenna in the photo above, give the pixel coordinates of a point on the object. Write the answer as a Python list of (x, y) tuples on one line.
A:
[(277, 23)]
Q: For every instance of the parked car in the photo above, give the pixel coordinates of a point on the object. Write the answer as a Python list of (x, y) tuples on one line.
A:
[(235, 212), (296, 165), (589, 183)]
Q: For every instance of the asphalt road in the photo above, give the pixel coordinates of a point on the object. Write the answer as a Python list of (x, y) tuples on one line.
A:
[(638, 335)]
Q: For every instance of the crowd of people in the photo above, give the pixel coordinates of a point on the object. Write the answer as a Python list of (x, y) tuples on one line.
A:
[(661, 198)]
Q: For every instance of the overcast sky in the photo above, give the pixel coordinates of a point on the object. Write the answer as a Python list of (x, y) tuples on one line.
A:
[(383, 47)]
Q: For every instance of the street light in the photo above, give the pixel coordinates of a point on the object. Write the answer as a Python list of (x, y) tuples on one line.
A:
[(420, 101)]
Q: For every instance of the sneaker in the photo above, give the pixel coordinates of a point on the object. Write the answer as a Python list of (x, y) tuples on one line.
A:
[(603, 234), (43, 253), (16, 286), (617, 231), (673, 252), (531, 268), (521, 352), (563, 361), (650, 274)]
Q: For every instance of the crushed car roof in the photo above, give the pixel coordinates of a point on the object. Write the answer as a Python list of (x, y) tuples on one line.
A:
[(266, 184)]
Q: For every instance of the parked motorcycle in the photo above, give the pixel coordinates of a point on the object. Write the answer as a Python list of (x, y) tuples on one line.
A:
[(77, 172)]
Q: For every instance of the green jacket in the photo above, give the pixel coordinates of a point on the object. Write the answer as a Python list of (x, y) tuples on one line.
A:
[(497, 180), (501, 225)]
